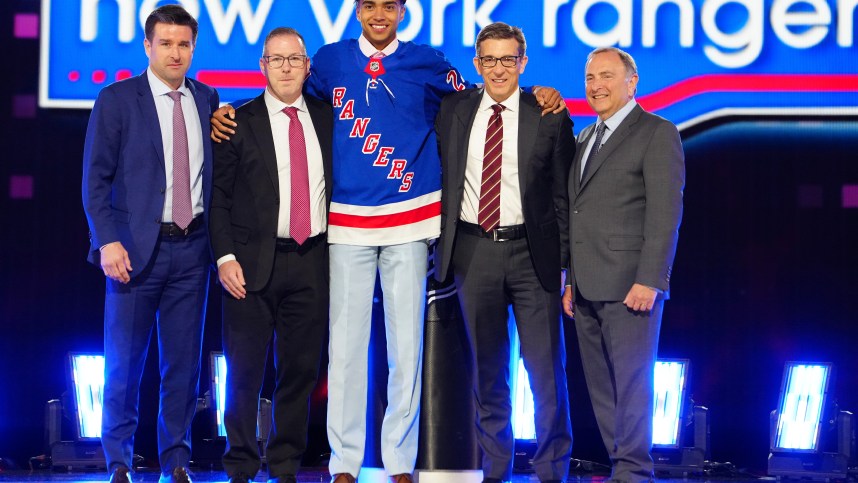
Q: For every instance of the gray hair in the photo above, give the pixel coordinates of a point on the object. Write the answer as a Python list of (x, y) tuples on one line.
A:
[(628, 60)]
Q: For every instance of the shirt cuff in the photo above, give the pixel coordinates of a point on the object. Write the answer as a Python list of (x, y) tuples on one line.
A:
[(229, 257)]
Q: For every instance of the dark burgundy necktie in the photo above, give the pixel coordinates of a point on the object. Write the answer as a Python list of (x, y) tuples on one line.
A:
[(489, 215)]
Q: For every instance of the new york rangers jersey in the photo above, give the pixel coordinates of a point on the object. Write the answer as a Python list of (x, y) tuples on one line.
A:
[(386, 169)]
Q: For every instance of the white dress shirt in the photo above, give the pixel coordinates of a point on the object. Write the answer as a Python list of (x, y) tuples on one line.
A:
[(315, 169), (510, 197), (164, 107), (280, 129), (369, 50)]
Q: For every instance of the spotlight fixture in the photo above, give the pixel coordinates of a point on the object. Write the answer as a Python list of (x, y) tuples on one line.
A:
[(810, 438), (86, 394), (676, 421)]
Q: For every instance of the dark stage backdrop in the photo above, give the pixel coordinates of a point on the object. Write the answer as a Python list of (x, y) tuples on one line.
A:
[(765, 270)]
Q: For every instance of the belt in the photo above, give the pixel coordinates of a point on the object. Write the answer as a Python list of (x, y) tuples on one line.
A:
[(290, 245), (172, 229), (499, 234)]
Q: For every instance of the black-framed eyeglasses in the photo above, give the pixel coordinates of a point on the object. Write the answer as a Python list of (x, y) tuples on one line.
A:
[(276, 61), (506, 61)]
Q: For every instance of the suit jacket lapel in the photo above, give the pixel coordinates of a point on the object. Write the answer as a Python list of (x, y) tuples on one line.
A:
[(612, 143), (466, 110), (260, 129), (584, 138), (146, 101), (203, 112), (528, 124)]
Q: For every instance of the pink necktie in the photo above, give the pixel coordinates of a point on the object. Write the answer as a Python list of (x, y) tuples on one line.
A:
[(183, 213), (299, 207), (489, 215)]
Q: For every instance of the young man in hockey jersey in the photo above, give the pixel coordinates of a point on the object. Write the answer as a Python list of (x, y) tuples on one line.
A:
[(386, 207)]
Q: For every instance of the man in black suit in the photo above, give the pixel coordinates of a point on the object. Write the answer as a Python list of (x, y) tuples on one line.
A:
[(625, 189), (504, 220), (268, 223)]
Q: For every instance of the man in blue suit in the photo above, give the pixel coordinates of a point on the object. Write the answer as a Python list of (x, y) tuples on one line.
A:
[(147, 177)]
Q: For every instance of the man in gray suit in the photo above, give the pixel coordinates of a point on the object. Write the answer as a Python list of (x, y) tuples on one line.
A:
[(625, 191)]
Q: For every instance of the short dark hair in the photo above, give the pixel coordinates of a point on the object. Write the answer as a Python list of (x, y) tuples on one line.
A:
[(278, 31), (625, 57), (172, 15), (401, 2), (500, 31)]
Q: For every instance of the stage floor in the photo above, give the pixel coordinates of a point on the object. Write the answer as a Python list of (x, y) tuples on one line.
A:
[(315, 475)]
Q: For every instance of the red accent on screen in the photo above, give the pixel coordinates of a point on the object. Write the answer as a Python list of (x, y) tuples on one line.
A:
[(386, 221), (236, 79), (74, 76), (122, 74), (99, 76), (705, 84)]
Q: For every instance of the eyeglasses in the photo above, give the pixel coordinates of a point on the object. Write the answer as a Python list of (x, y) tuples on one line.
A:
[(276, 62), (507, 61)]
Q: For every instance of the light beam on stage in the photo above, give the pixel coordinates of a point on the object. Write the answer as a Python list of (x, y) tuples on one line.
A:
[(218, 375), (802, 399), (523, 412), (670, 389), (87, 376)]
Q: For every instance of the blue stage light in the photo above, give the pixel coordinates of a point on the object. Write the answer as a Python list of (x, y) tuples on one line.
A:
[(87, 375), (670, 387), (801, 405), (218, 373), (523, 413)]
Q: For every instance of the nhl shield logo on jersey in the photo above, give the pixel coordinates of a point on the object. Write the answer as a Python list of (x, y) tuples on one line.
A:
[(374, 68)]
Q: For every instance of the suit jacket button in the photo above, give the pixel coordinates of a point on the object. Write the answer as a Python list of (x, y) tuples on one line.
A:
[(575, 212)]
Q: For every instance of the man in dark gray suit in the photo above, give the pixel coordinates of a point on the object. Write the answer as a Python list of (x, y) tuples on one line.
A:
[(625, 191), (504, 210)]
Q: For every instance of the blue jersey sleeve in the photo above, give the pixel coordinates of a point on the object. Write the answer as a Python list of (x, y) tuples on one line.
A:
[(445, 78)]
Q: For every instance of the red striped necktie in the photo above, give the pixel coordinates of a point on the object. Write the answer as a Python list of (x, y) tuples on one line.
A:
[(489, 215)]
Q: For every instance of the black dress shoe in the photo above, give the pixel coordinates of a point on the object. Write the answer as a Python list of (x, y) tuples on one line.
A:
[(287, 478), (178, 475), (239, 478), (120, 475)]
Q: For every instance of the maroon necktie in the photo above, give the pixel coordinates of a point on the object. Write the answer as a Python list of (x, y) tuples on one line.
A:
[(299, 205), (489, 215), (183, 212)]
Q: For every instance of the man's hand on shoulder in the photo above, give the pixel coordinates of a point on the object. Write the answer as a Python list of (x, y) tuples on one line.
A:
[(115, 262), (232, 278), (221, 124), (549, 99)]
